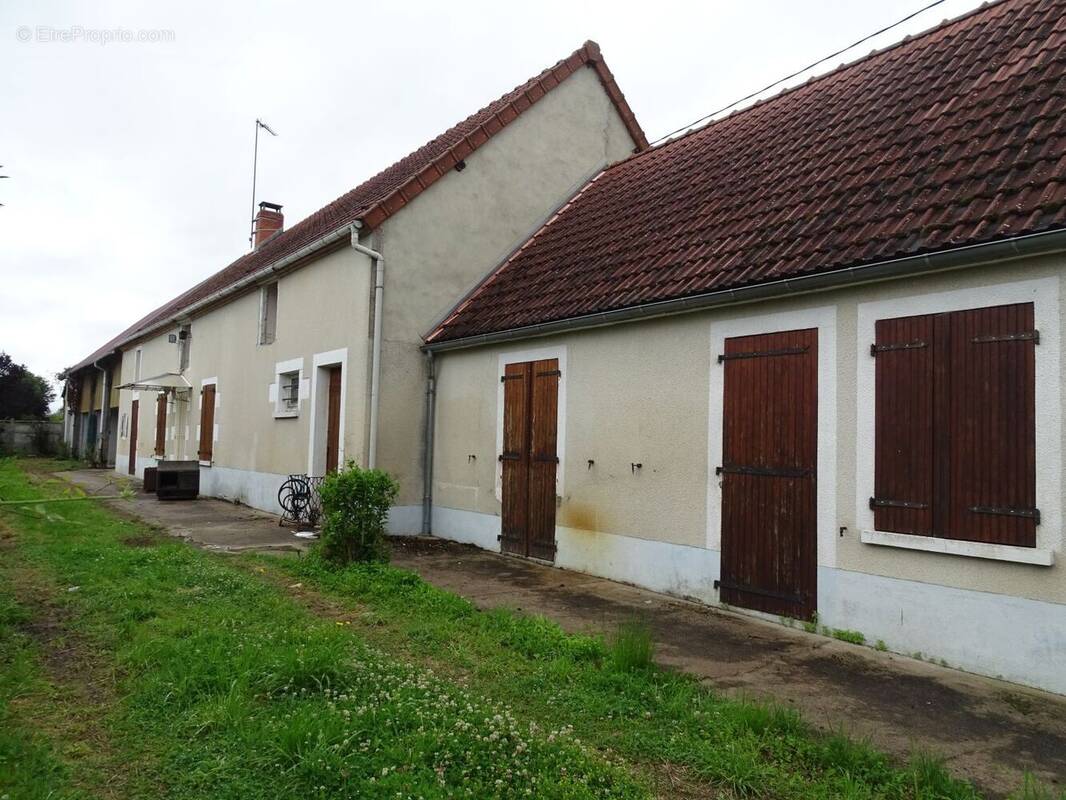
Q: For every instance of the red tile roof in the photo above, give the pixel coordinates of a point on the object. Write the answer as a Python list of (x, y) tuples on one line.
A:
[(954, 137), (375, 200)]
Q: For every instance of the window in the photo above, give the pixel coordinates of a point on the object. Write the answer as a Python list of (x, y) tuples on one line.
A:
[(955, 425), (137, 364), (289, 393), (268, 313), (207, 422)]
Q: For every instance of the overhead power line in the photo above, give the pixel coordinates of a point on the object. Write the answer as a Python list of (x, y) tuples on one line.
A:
[(820, 61)]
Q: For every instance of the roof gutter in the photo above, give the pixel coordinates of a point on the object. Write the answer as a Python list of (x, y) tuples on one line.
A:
[(969, 256)]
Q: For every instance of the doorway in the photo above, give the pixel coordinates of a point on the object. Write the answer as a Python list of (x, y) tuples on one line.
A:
[(768, 473), (530, 458)]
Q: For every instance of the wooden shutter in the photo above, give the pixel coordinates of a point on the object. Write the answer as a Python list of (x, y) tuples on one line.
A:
[(992, 419), (544, 459), (207, 421), (160, 425), (955, 441), (514, 459), (904, 429)]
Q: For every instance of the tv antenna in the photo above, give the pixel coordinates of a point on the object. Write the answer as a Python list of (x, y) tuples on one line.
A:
[(255, 165)]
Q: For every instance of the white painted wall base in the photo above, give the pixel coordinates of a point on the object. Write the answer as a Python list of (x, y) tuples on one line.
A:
[(404, 521), (255, 489), (1000, 636)]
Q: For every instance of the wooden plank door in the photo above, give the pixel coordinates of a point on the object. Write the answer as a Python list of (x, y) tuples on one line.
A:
[(207, 422), (768, 473), (160, 425), (135, 413), (530, 459), (333, 420)]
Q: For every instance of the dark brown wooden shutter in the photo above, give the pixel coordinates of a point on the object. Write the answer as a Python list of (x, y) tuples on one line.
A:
[(904, 428), (515, 507), (955, 408), (992, 419), (207, 421), (160, 424), (135, 414), (544, 458)]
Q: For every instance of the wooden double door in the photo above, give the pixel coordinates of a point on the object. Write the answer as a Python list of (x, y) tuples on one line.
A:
[(768, 474), (529, 458)]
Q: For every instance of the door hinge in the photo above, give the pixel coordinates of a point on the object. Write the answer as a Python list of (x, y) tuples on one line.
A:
[(878, 502), (784, 351), (885, 348), (775, 472)]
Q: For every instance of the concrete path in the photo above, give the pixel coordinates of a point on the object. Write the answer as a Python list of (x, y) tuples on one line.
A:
[(989, 731), (211, 524)]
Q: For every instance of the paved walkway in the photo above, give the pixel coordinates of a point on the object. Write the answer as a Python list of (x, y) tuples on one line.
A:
[(988, 730)]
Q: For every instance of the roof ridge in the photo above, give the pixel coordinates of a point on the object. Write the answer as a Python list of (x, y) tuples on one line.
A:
[(985, 7), (384, 193)]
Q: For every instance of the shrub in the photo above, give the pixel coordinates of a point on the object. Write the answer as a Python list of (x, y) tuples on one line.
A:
[(632, 647), (355, 505)]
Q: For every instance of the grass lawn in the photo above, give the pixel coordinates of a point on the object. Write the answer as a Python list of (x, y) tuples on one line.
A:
[(132, 665)]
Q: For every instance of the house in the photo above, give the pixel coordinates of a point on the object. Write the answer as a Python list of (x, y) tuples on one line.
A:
[(804, 361), (305, 352)]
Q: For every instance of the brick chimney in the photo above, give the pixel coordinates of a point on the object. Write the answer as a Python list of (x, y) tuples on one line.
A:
[(268, 221)]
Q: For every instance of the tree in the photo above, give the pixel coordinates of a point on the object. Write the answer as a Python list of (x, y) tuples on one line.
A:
[(23, 395)]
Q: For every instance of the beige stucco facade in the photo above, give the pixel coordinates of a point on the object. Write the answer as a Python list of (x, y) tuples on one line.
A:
[(435, 249), (650, 393)]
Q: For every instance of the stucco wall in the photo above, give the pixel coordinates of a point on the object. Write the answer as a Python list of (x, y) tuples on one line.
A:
[(643, 393), (322, 308), (650, 393), (451, 236), (436, 248)]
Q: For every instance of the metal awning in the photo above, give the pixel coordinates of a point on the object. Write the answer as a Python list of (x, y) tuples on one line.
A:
[(167, 382)]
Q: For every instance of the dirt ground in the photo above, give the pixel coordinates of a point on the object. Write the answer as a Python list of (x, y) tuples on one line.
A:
[(987, 730)]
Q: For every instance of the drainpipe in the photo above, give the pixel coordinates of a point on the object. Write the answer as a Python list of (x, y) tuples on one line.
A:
[(427, 450), (105, 413), (375, 362)]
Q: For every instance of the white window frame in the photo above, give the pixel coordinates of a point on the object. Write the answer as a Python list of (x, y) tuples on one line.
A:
[(1043, 293), (281, 369)]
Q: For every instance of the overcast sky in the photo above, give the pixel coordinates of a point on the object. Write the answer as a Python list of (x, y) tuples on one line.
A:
[(130, 161)]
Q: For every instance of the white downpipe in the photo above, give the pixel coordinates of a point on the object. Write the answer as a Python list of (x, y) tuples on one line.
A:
[(375, 359)]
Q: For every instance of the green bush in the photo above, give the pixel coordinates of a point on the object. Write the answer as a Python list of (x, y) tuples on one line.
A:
[(355, 505)]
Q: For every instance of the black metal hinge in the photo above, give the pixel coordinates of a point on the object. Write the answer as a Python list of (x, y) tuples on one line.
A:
[(742, 587), (1024, 336), (775, 472), (877, 502), (511, 378), (552, 373), (784, 351), (884, 348), (1027, 513)]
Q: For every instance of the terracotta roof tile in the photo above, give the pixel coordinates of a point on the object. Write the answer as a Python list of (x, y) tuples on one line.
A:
[(953, 137), (373, 201)]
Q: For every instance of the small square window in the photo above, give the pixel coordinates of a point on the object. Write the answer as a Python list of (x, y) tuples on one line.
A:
[(289, 392)]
